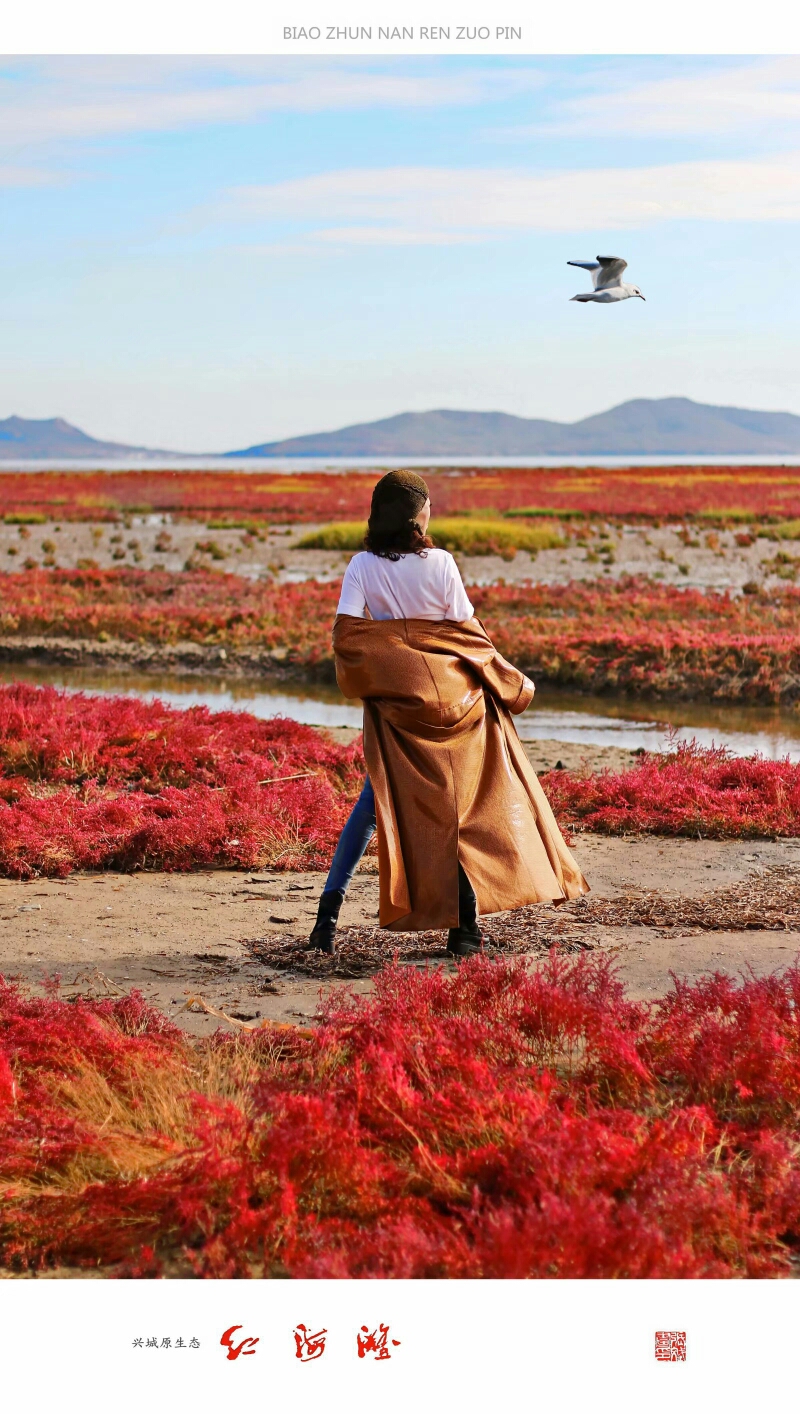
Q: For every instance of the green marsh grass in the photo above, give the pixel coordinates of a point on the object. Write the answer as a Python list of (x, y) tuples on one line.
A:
[(468, 535)]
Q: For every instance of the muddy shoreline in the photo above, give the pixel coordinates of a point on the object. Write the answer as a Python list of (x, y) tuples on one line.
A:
[(185, 658), (272, 667)]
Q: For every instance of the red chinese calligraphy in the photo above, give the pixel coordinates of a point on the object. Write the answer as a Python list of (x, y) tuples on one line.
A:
[(309, 1347), (234, 1351), (373, 1343)]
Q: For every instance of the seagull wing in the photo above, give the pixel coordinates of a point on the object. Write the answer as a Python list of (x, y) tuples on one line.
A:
[(608, 271), (590, 265)]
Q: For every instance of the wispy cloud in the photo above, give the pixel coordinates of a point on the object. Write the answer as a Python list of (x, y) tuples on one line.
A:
[(51, 107), (423, 204), (752, 98), (55, 100)]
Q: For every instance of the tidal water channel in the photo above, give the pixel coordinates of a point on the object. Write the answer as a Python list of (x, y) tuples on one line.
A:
[(554, 715)]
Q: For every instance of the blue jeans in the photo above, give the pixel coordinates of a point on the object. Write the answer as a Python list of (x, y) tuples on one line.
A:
[(353, 840)]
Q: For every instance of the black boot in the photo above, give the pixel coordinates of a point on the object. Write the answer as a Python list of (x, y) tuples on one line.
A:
[(466, 940), (323, 935)]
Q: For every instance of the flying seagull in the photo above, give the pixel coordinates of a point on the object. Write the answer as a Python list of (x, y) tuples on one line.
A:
[(606, 272)]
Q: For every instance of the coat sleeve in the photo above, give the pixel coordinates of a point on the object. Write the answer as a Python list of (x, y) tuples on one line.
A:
[(351, 661), (501, 678)]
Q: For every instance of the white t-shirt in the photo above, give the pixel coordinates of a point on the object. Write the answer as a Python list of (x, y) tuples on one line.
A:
[(412, 587)]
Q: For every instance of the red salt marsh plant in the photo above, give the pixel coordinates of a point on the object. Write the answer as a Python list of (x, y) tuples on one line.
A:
[(117, 783), (646, 639), (503, 1122), (704, 793), (719, 492), (155, 606), (632, 635), (102, 783)]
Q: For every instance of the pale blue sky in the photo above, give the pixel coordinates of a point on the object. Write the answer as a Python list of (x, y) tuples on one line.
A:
[(201, 254)]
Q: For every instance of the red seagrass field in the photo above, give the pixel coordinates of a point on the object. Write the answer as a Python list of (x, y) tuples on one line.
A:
[(631, 635), (116, 783), (500, 1123), (520, 1116), (627, 492)]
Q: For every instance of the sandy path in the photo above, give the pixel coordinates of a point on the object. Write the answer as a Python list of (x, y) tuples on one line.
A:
[(175, 935)]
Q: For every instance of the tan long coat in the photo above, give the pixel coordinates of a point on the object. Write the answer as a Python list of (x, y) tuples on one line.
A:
[(451, 779)]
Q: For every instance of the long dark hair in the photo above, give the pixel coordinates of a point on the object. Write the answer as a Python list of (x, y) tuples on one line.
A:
[(393, 529), (408, 539)]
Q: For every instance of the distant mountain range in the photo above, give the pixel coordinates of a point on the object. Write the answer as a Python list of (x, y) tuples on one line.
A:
[(642, 427), (26, 439), (645, 426)]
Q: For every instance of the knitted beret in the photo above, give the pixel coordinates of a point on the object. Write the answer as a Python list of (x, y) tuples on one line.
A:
[(398, 496)]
